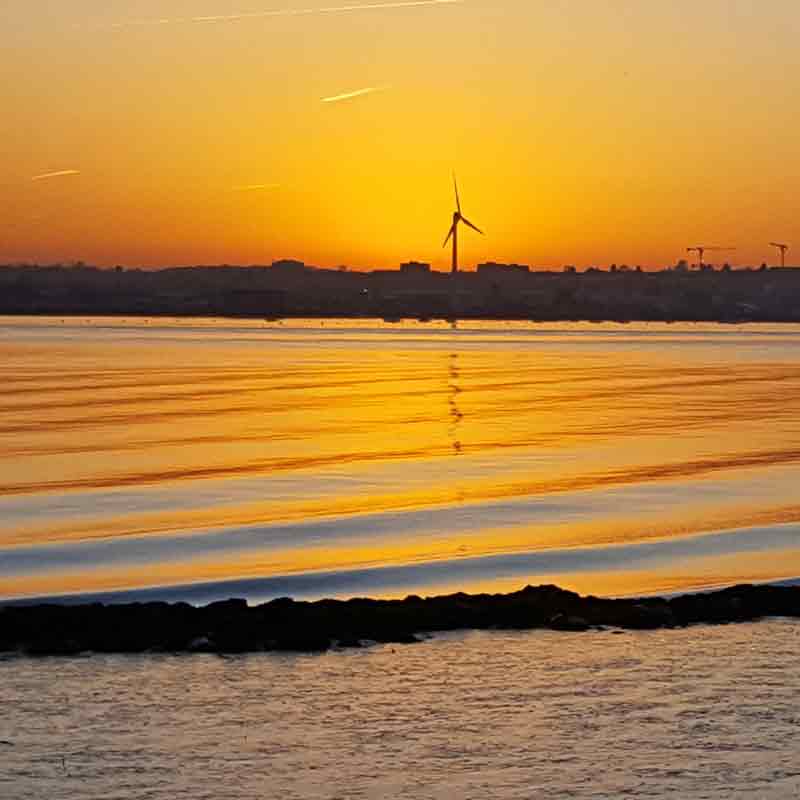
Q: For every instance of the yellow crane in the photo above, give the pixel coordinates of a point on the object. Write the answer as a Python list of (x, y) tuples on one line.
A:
[(701, 250), (783, 248)]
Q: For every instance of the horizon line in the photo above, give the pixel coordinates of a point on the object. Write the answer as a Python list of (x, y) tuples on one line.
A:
[(431, 269)]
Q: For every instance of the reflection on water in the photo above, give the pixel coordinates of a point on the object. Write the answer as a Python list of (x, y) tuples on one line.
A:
[(455, 413), (341, 457)]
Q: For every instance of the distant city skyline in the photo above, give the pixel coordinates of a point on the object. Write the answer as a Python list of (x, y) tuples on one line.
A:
[(415, 266), (166, 132)]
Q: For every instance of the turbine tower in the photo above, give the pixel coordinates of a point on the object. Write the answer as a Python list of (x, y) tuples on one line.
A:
[(457, 217), (783, 248)]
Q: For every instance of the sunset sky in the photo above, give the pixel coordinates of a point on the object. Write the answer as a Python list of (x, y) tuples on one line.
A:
[(155, 132)]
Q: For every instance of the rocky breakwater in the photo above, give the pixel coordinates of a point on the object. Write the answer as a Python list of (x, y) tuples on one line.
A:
[(232, 626)]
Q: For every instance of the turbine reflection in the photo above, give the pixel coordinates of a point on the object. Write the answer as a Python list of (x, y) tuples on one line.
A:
[(454, 390)]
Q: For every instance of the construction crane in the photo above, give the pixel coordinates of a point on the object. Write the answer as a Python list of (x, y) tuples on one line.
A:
[(783, 248), (701, 250)]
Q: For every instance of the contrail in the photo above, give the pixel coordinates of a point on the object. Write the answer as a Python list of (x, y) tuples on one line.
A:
[(283, 12), (61, 173), (376, 6), (255, 187), (299, 12), (356, 93)]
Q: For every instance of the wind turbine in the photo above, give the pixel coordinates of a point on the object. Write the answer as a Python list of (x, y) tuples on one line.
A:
[(457, 217)]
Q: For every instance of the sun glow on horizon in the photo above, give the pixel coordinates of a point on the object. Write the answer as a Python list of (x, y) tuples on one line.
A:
[(581, 135)]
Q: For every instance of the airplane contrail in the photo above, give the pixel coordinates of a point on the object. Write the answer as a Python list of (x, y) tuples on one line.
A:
[(61, 173), (356, 93), (283, 12), (255, 187), (299, 12)]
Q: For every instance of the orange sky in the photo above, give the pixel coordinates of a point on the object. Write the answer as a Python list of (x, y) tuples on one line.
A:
[(583, 131)]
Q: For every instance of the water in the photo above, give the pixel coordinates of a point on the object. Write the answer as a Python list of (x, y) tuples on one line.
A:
[(208, 458), (696, 713)]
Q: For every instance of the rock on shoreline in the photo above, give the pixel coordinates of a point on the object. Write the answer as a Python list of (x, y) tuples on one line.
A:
[(231, 626)]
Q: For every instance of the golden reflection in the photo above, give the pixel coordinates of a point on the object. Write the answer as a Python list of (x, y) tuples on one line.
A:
[(108, 431), (144, 157), (701, 574), (452, 401)]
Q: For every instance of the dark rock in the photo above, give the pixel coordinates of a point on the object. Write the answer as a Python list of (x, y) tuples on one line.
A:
[(648, 616), (53, 647), (226, 608), (562, 622), (349, 643), (288, 625), (302, 643), (202, 644)]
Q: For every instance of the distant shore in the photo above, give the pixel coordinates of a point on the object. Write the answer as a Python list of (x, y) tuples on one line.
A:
[(232, 626), (289, 290)]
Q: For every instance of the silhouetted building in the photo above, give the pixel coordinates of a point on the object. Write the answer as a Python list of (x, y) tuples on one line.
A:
[(492, 269), (289, 265), (263, 302), (499, 291), (415, 268)]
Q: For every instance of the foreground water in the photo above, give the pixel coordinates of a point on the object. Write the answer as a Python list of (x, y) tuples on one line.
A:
[(201, 459), (700, 712)]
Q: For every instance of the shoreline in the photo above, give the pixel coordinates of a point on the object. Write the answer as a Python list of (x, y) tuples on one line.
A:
[(289, 288), (286, 625), (461, 316)]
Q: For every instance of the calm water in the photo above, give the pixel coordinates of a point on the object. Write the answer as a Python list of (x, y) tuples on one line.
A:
[(695, 713), (209, 458)]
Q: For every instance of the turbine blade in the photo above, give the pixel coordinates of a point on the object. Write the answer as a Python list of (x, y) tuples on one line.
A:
[(474, 227), (458, 199), (452, 231)]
